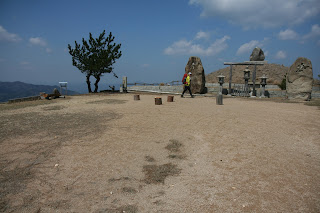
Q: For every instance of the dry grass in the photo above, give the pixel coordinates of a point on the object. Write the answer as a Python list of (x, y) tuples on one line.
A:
[(35, 123), (155, 174), (150, 159), (179, 157), (25, 104), (108, 101), (122, 209), (118, 179), (51, 131), (174, 146), (129, 190), (49, 108)]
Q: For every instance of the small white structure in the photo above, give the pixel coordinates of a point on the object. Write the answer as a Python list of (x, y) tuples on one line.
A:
[(63, 84)]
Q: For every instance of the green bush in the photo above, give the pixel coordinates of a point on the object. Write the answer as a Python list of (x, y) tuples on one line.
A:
[(283, 84)]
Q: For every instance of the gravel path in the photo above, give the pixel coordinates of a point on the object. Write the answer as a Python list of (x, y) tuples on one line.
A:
[(109, 153)]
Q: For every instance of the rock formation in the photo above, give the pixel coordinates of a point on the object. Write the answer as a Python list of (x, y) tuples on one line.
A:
[(56, 93), (198, 80), (300, 80), (257, 55)]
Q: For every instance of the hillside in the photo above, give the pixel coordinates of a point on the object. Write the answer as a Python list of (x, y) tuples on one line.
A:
[(17, 89), (274, 72)]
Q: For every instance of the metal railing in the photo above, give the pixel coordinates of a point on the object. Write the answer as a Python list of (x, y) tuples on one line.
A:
[(241, 91)]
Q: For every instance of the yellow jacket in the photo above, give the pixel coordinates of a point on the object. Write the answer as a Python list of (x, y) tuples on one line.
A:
[(188, 81)]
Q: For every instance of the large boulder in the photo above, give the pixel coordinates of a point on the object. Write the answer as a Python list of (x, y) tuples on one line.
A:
[(257, 55), (198, 80), (300, 80), (56, 93)]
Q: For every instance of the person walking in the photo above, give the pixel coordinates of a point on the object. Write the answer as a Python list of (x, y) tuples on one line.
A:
[(187, 85)]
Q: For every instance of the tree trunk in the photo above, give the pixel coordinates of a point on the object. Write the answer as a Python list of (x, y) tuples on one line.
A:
[(89, 83), (96, 83)]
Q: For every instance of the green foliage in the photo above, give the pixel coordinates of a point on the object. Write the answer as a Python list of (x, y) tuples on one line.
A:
[(283, 84), (95, 56)]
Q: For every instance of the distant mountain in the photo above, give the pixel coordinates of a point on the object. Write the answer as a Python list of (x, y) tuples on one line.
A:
[(12, 90)]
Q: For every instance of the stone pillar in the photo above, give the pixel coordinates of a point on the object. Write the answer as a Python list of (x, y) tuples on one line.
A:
[(256, 55), (219, 99), (254, 93), (198, 80), (246, 79), (230, 80), (124, 84), (300, 80)]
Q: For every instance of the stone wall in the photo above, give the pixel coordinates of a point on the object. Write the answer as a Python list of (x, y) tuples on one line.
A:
[(163, 89)]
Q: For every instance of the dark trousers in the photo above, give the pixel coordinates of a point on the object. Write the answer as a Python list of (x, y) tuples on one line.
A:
[(185, 89)]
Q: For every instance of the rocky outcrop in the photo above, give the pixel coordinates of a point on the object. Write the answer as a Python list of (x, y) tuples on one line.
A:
[(300, 80), (56, 92), (198, 80), (257, 55)]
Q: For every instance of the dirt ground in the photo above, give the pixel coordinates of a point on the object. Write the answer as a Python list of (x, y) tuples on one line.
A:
[(109, 153)]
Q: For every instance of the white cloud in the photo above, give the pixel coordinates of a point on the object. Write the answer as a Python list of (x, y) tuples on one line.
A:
[(145, 65), (315, 32), (48, 50), (6, 36), (184, 47), (24, 63), (281, 55), (248, 47), (202, 35), (288, 35), (178, 47), (38, 41), (218, 46), (253, 13)]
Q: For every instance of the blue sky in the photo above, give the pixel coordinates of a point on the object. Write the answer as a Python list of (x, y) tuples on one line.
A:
[(157, 37)]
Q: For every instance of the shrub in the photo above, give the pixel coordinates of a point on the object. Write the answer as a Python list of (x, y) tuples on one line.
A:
[(283, 84)]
